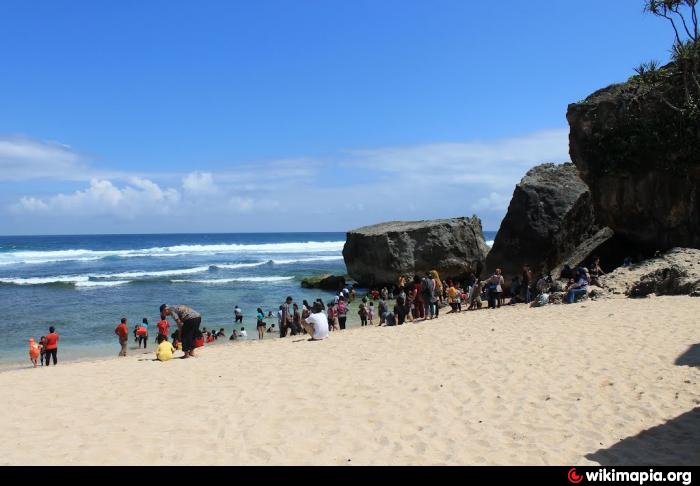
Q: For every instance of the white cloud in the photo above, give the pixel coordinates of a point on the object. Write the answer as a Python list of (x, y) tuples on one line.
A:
[(199, 184), (494, 202), (102, 197), (351, 189), (23, 159)]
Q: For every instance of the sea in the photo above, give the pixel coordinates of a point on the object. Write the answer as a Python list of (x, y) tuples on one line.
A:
[(83, 284)]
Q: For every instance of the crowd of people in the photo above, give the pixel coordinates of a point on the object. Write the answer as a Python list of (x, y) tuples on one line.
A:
[(415, 299)]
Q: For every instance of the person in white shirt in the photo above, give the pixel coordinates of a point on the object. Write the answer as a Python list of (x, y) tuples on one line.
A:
[(243, 334), (316, 324)]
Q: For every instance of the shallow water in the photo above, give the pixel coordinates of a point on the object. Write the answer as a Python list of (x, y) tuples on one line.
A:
[(82, 285)]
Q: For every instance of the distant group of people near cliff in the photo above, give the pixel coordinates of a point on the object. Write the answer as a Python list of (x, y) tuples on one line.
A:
[(416, 298)]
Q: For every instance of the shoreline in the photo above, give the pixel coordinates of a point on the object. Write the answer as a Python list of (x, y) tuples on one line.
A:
[(577, 384)]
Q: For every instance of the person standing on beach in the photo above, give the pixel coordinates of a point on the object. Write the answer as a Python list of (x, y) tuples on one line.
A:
[(261, 323), (142, 333), (51, 349), (163, 327), (287, 318), (527, 283), (122, 333), (188, 321), (418, 301), (342, 313)]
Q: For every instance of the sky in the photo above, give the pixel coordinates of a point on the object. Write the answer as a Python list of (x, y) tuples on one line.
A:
[(292, 115)]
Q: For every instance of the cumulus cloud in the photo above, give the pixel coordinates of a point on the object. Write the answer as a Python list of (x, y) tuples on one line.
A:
[(103, 197), (336, 192)]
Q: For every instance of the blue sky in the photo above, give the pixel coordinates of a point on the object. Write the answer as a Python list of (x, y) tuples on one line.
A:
[(306, 115)]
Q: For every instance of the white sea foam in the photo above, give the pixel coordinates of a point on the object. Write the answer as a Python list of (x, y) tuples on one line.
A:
[(308, 260), (40, 257), (68, 279), (219, 281), (235, 266), (159, 273), (109, 283), (489, 243)]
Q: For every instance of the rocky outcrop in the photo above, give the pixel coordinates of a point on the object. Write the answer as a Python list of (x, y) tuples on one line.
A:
[(641, 160), (675, 273), (582, 253), (324, 282), (379, 254), (549, 216)]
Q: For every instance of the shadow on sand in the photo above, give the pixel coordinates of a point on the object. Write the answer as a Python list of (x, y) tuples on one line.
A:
[(675, 443), (690, 357)]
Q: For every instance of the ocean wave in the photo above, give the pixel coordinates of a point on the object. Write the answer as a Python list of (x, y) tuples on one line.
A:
[(219, 281), (235, 266), (63, 279), (41, 257), (108, 283), (157, 273), (308, 260), (489, 243)]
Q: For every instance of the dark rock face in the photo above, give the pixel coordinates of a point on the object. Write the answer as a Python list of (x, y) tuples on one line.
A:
[(675, 273), (583, 252), (641, 163), (379, 254), (549, 216)]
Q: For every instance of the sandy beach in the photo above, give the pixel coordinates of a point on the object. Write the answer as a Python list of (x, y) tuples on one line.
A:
[(607, 382)]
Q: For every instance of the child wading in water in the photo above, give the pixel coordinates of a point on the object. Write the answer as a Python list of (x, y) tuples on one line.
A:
[(34, 351)]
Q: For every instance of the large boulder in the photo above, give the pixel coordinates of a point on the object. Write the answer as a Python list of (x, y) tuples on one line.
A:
[(379, 254), (677, 272), (641, 160), (549, 216)]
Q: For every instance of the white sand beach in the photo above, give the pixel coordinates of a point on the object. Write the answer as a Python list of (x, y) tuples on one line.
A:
[(607, 382)]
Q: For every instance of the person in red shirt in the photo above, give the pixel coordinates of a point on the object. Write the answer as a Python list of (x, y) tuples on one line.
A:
[(51, 348), (123, 333), (163, 327)]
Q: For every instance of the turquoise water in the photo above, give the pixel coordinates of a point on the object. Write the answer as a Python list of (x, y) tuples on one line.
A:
[(82, 285)]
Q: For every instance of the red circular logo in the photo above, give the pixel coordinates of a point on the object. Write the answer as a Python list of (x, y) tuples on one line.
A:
[(574, 477)]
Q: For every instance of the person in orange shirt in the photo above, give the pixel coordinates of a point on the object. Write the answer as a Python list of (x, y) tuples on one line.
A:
[(123, 333), (34, 351), (51, 348)]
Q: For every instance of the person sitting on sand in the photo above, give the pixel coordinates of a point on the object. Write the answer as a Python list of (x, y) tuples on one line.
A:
[(188, 321), (316, 325), (165, 350), (383, 310), (260, 315), (475, 296), (234, 336), (122, 332), (596, 271), (578, 288)]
